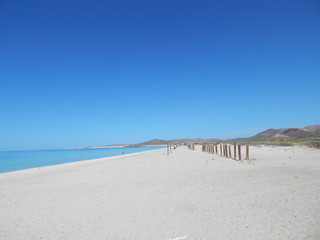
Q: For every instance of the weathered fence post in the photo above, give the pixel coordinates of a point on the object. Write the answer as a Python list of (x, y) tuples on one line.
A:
[(226, 149), (235, 150), (239, 151), (220, 149), (216, 147), (247, 152), (230, 152)]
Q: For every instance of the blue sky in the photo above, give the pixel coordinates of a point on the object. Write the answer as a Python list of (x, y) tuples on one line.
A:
[(75, 73)]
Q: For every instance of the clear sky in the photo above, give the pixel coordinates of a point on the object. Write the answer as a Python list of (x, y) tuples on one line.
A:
[(78, 73)]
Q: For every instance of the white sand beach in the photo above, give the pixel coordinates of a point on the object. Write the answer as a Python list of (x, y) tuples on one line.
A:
[(187, 195)]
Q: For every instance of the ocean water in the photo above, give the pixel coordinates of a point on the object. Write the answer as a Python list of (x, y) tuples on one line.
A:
[(18, 160)]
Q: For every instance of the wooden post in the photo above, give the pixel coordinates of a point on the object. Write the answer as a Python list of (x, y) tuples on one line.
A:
[(230, 152), (226, 147), (235, 150), (216, 147), (239, 151), (247, 152), (167, 150), (220, 149)]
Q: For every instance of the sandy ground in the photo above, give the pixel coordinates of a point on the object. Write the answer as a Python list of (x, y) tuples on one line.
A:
[(187, 195)]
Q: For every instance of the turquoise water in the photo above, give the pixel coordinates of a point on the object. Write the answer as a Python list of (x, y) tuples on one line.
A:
[(18, 160)]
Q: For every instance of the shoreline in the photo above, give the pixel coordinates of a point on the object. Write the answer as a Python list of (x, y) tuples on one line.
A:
[(118, 146), (86, 161)]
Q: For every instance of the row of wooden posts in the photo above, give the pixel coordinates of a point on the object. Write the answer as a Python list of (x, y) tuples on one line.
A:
[(225, 150), (191, 146)]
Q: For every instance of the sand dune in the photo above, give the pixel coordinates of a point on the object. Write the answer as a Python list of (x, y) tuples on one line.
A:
[(188, 194)]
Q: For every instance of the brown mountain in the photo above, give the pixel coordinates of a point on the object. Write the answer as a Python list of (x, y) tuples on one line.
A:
[(312, 131), (177, 141), (316, 134), (288, 133), (312, 128)]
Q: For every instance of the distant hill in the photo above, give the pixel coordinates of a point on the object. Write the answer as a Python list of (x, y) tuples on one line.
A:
[(312, 131), (177, 141), (288, 133), (312, 128), (154, 142), (316, 133)]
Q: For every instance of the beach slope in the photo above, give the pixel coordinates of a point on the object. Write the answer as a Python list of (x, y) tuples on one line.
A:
[(150, 195)]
